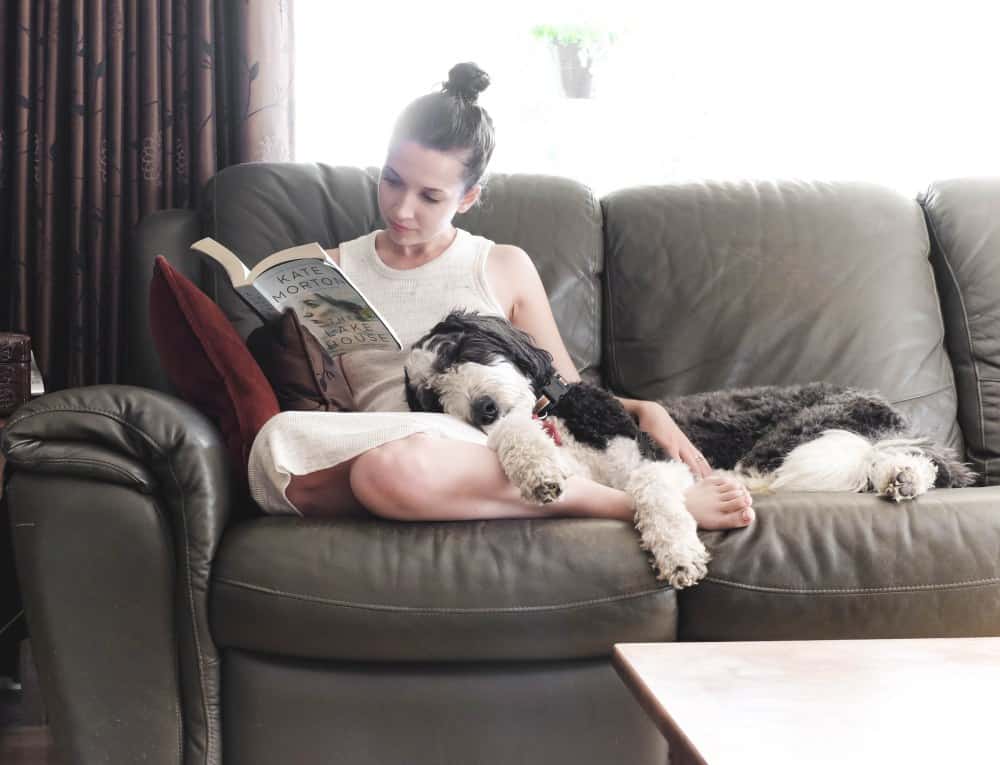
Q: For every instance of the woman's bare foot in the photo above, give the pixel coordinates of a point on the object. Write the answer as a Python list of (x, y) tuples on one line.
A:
[(719, 502)]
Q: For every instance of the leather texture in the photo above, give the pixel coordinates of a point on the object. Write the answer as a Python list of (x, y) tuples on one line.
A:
[(487, 642), (722, 285), (853, 566), (96, 564), (558, 222), (169, 233), (963, 217), (258, 208), (371, 590), (528, 713), (122, 437)]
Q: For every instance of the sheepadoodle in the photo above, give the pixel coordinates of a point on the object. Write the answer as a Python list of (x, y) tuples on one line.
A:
[(813, 437)]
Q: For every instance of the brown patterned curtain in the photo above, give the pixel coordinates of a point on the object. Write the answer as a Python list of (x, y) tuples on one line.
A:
[(113, 109)]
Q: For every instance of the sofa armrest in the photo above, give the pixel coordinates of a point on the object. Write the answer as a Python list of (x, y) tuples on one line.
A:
[(119, 497), (963, 217)]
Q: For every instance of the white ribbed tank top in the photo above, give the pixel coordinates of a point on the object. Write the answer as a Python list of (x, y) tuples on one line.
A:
[(412, 301)]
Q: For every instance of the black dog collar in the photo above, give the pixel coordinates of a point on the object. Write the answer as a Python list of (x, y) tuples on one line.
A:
[(552, 391)]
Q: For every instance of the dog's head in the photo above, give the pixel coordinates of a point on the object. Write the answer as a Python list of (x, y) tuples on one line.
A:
[(475, 367)]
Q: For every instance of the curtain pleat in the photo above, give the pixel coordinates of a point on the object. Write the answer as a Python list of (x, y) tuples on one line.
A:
[(111, 110)]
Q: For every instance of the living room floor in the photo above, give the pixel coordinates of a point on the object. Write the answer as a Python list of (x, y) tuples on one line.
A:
[(24, 737), (26, 745)]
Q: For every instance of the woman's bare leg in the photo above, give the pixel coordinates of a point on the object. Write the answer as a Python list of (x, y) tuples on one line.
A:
[(422, 477), (326, 492)]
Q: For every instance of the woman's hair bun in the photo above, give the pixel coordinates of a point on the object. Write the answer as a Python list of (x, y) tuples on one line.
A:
[(466, 81)]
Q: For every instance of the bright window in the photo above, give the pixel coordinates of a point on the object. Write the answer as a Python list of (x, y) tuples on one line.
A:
[(894, 92)]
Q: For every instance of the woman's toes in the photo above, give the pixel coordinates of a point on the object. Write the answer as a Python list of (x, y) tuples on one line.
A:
[(731, 504), (715, 508), (740, 497), (738, 517)]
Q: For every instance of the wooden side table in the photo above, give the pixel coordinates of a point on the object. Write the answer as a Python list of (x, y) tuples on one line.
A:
[(920, 701)]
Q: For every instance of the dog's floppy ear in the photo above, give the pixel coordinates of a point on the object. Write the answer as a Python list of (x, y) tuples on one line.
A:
[(411, 395), (495, 336), (534, 362), (472, 336), (516, 345), (446, 352), (420, 399)]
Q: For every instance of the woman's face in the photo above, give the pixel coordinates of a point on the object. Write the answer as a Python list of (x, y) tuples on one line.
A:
[(419, 192)]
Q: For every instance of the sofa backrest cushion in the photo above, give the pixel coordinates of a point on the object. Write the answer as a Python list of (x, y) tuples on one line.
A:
[(558, 222), (257, 208), (207, 362), (963, 217), (720, 285)]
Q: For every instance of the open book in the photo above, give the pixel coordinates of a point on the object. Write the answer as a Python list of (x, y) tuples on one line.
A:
[(304, 279)]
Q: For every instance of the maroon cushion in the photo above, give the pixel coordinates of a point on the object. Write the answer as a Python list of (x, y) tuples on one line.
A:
[(301, 373), (207, 361)]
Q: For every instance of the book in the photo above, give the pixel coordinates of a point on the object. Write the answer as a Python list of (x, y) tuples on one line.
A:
[(305, 280)]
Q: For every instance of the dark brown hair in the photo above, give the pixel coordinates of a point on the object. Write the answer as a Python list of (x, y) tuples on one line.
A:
[(451, 120)]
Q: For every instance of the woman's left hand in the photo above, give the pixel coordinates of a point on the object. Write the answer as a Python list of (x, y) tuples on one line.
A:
[(656, 421)]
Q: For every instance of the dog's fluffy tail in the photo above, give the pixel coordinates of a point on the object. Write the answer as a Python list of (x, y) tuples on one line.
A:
[(840, 460), (836, 461)]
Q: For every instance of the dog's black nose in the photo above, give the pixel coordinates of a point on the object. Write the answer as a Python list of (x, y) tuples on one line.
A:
[(484, 411)]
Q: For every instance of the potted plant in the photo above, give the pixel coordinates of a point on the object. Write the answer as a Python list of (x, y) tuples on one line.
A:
[(577, 47)]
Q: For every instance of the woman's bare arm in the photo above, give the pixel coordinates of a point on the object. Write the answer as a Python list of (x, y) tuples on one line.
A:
[(518, 282)]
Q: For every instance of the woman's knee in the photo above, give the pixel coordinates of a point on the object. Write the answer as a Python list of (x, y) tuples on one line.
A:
[(395, 480)]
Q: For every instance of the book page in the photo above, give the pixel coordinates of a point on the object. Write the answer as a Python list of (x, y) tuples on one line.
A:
[(238, 273), (298, 252)]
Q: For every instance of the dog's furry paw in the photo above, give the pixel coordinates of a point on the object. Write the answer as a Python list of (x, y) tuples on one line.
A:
[(665, 527), (905, 484), (542, 493), (541, 481), (529, 458), (685, 573), (903, 477)]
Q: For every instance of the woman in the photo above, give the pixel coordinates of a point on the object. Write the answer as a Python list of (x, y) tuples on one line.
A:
[(410, 466)]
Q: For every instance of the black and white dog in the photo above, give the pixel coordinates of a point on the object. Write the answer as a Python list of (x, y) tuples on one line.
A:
[(814, 437)]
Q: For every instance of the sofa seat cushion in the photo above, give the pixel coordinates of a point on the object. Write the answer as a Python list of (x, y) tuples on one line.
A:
[(846, 566), (368, 589)]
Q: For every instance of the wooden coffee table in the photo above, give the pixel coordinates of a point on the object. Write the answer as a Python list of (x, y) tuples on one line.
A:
[(824, 701)]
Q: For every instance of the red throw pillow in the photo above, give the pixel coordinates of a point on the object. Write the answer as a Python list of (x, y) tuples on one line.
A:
[(207, 361)]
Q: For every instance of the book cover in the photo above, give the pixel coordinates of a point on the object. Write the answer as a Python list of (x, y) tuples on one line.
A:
[(324, 299)]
